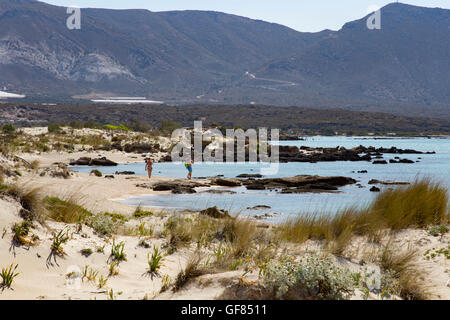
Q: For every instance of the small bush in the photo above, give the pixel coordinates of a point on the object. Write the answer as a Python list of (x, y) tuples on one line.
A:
[(438, 230), (86, 252), (103, 224), (8, 129), (312, 278), (54, 128)]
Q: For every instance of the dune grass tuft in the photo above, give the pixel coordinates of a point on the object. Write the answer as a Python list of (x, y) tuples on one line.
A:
[(67, 210), (419, 205)]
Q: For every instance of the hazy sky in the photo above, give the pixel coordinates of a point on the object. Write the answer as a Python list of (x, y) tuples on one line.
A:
[(302, 15)]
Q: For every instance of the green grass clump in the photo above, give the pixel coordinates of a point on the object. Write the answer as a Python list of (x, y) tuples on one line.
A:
[(438, 230), (67, 211), (118, 127), (86, 252), (58, 239), (155, 260), (8, 275), (96, 173), (116, 216), (142, 214), (118, 251)]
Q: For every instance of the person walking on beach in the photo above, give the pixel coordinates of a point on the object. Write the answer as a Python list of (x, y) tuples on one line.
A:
[(188, 166), (149, 167)]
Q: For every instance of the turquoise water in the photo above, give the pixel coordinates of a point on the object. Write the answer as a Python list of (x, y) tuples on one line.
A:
[(436, 166)]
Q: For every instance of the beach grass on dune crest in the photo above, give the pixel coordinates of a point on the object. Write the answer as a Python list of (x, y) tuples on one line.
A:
[(67, 210), (421, 204)]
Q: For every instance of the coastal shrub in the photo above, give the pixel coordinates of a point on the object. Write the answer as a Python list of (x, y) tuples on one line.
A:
[(102, 224), (54, 128), (75, 125), (86, 252), (118, 127), (8, 275), (138, 213), (438, 230), (314, 277), (8, 129), (67, 211), (167, 126)]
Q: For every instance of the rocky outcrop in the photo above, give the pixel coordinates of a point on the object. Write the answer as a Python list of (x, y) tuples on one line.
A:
[(302, 183), (215, 212), (85, 161), (375, 181)]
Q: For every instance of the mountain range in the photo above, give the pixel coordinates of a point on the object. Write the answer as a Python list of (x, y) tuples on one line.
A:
[(185, 57)]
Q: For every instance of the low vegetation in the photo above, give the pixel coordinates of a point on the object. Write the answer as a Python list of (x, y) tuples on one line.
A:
[(419, 205), (155, 260), (8, 275)]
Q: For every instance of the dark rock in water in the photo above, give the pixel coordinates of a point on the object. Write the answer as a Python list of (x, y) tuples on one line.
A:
[(259, 207), (266, 215), (362, 171), (299, 184), (183, 190), (246, 175), (126, 173), (255, 186), (401, 161), (215, 212), (288, 149), (227, 182), (102, 162), (379, 162), (375, 181), (214, 191), (177, 187), (375, 189), (85, 161)]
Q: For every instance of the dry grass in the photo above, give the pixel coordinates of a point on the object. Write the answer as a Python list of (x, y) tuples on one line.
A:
[(29, 199), (400, 262), (418, 205), (192, 270)]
